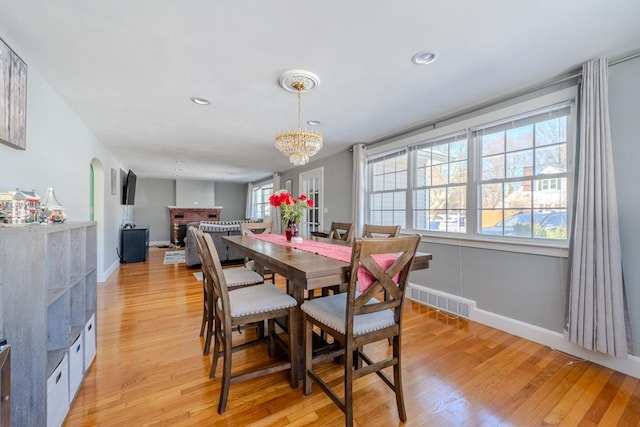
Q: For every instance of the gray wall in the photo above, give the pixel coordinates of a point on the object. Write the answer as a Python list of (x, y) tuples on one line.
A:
[(624, 104), (338, 173), (194, 194), (59, 151), (233, 199), (154, 195), (152, 198)]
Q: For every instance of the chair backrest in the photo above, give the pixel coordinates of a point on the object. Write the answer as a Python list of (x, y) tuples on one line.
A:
[(371, 230), (341, 231), (255, 228), (388, 263), (212, 269)]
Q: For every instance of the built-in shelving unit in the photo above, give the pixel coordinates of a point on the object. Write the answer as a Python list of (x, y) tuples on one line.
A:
[(49, 298)]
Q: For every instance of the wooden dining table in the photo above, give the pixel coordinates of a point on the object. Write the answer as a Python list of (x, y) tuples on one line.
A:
[(304, 271)]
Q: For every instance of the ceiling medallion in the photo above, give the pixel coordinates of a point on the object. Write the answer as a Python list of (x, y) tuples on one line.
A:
[(299, 145)]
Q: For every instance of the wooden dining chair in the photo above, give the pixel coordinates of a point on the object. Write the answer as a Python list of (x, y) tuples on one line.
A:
[(258, 228), (357, 318), (245, 306), (236, 277), (341, 231), (371, 230), (338, 231)]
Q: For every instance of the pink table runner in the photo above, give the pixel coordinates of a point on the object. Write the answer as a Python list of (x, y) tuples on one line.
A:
[(339, 252)]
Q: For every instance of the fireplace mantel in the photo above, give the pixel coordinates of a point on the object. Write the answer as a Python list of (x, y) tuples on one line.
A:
[(181, 216)]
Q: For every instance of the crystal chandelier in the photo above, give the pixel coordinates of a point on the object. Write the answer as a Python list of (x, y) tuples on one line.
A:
[(299, 145)]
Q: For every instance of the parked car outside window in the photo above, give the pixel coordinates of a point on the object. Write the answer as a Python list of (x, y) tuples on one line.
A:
[(546, 225)]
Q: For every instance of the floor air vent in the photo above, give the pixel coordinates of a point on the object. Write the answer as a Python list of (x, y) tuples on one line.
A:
[(442, 300)]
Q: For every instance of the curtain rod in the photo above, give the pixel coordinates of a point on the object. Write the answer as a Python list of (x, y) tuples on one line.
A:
[(563, 79), (434, 124), (579, 73)]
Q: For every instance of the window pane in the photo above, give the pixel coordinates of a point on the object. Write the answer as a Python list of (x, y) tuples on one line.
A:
[(491, 196), (399, 219), (400, 200), (421, 199), (491, 221), (550, 193), (387, 218), (401, 179), (492, 143), (440, 154), (440, 174), (423, 177), (552, 159), (423, 157), (457, 198), (458, 150), (551, 131), (420, 220), (520, 163), (458, 172), (493, 167), (520, 138), (438, 198), (517, 194), (376, 201), (377, 182)]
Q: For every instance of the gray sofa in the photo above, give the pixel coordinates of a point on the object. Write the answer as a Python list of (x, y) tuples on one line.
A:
[(217, 229)]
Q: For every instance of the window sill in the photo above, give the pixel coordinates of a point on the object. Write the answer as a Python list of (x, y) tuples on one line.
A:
[(534, 248)]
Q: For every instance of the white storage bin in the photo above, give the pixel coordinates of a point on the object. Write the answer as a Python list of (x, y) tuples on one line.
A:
[(76, 366), (89, 341), (58, 394)]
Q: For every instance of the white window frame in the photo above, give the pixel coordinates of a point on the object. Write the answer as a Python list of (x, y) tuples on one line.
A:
[(471, 238), (377, 218), (254, 203)]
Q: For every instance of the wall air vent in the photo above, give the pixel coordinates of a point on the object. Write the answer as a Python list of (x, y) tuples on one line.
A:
[(441, 300)]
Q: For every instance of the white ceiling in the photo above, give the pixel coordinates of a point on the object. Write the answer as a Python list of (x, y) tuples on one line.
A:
[(129, 68)]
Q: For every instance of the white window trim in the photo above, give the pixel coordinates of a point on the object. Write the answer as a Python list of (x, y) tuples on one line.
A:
[(435, 131), (545, 248)]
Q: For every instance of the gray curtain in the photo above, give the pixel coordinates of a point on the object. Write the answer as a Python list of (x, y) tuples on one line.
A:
[(359, 187), (596, 312), (249, 205)]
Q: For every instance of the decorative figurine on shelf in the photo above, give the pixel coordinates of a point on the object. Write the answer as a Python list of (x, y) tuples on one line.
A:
[(19, 207), (51, 210), (290, 211)]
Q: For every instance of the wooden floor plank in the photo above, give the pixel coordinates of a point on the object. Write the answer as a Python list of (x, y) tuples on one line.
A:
[(149, 370)]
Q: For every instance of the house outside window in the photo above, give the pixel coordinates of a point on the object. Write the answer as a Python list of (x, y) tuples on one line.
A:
[(508, 178)]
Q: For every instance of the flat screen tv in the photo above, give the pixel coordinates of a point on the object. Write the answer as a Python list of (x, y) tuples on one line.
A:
[(129, 189)]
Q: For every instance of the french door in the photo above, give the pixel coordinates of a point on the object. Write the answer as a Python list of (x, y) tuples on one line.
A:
[(311, 184)]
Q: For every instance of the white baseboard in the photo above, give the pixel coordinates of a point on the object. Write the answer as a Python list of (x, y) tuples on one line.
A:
[(104, 276), (160, 243), (556, 340)]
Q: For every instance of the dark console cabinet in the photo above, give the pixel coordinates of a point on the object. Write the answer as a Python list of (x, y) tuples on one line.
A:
[(134, 244)]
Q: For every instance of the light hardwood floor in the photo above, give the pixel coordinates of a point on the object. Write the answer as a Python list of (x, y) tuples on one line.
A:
[(149, 370)]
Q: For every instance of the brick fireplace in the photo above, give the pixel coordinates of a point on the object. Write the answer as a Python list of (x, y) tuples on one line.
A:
[(180, 217)]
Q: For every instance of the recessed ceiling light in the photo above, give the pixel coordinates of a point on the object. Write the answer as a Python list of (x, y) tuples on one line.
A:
[(200, 101), (313, 122), (424, 57)]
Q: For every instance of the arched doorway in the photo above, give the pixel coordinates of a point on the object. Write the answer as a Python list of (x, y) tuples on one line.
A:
[(96, 207)]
